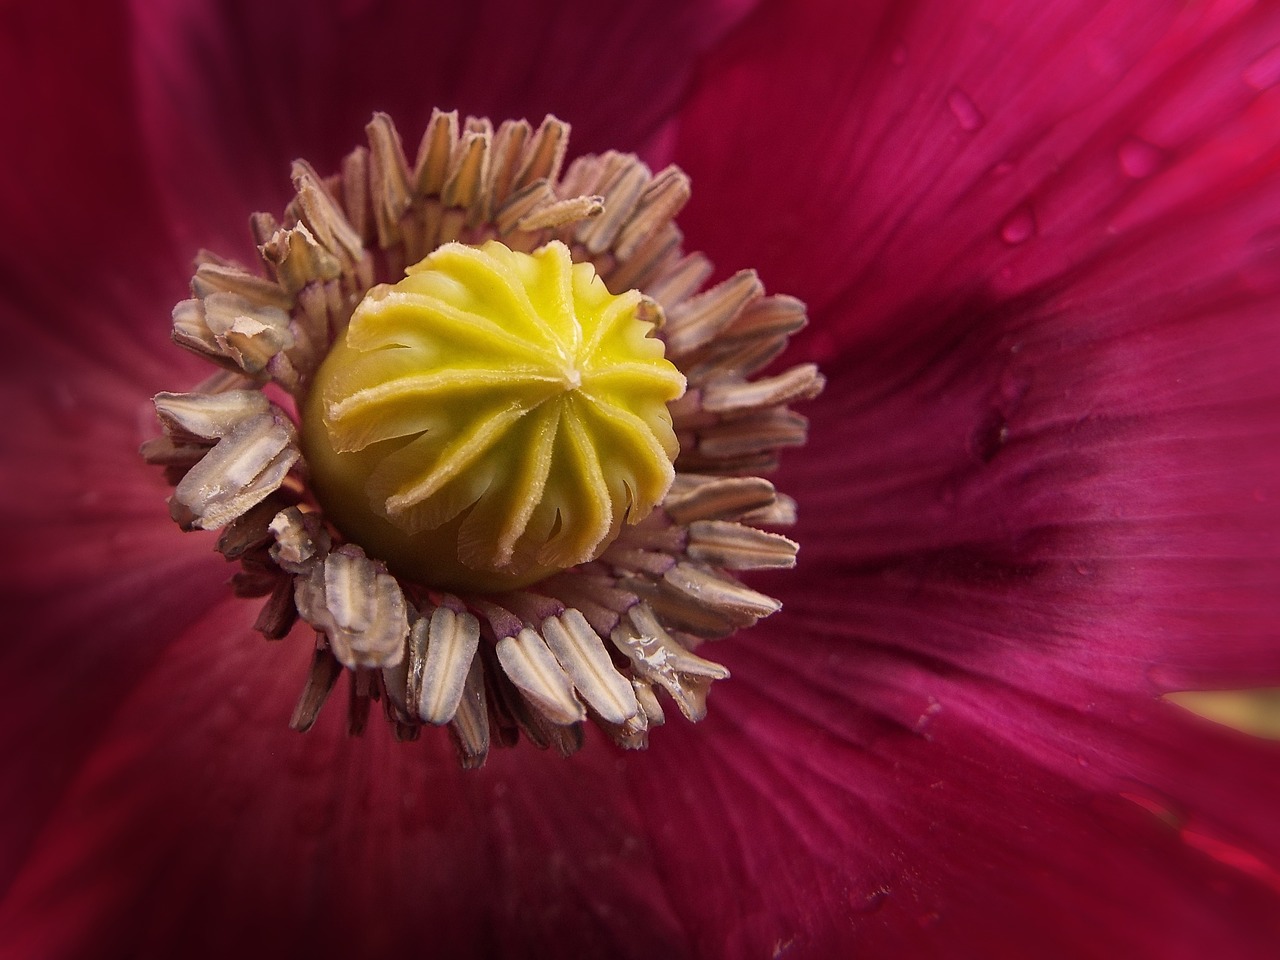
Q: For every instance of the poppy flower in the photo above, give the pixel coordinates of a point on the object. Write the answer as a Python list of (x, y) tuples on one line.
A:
[(1039, 252)]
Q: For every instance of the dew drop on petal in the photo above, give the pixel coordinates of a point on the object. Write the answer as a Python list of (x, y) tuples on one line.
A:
[(989, 436), (1138, 158), (1019, 227), (1265, 71), (869, 901), (964, 109), (927, 714)]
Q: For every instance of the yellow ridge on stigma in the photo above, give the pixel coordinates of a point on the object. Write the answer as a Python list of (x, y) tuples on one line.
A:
[(492, 418)]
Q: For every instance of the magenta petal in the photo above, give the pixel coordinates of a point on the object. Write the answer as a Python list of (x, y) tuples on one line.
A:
[(943, 826), (1062, 481), (939, 147), (1069, 434), (76, 197), (202, 824), (92, 579), (232, 93), (1041, 491)]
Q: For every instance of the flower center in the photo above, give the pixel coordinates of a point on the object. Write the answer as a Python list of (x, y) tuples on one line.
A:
[(493, 436), (493, 418)]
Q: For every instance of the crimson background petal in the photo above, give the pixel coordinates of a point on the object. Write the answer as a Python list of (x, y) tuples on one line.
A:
[(222, 831), (1047, 303), (89, 582), (104, 206), (960, 753), (232, 92)]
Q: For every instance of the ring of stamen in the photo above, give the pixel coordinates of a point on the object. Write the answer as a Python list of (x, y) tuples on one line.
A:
[(596, 641)]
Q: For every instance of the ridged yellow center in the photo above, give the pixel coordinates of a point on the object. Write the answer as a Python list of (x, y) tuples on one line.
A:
[(492, 418)]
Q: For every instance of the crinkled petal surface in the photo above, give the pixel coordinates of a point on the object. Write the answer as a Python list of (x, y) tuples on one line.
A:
[(1039, 246)]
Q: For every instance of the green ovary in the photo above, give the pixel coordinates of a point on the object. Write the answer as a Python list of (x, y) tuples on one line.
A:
[(492, 418)]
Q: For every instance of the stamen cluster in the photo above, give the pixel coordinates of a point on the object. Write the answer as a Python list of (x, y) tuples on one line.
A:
[(596, 641)]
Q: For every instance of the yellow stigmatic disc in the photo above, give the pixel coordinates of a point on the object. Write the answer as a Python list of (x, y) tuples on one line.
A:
[(492, 418)]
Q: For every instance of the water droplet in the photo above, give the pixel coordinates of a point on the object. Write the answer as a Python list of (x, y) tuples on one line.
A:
[(964, 109), (1138, 158), (1084, 570), (989, 436), (1002, 169), (899, 55), (1265, 71), (869, 902), (926, 717), (1019, 227)]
